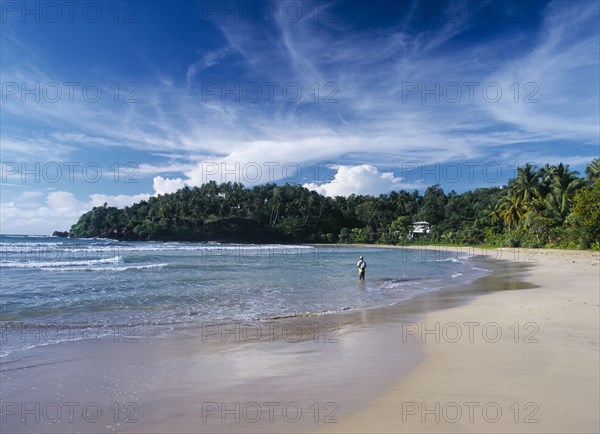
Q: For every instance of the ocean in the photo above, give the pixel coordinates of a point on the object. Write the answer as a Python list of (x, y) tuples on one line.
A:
[(56, 289)]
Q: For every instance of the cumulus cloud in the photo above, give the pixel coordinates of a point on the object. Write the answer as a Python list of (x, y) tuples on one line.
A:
[(119, 200), (63, 201), (363, 179), (167, 185), (39, 213)]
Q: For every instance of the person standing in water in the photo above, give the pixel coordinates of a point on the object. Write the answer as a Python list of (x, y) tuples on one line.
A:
[(362, 266)]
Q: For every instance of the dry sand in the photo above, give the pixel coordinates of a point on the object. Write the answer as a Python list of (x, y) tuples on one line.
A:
[(541, 375)]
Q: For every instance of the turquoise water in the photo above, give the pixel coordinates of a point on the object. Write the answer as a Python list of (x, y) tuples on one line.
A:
[(75, 283)]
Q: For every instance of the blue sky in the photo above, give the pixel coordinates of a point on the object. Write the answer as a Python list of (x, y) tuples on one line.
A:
[(116, 101)]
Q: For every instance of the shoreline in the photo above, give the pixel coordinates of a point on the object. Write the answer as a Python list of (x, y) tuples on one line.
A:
[(483, 248), (169, 378), (541, 374), (374, 351)]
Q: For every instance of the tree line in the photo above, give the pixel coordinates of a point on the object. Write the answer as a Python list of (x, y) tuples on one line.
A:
[(548, 206)]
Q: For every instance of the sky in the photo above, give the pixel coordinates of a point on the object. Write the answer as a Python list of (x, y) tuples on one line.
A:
[(114, 102)]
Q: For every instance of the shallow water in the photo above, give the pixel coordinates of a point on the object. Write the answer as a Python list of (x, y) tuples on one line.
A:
[(68, 288), (302, 374)]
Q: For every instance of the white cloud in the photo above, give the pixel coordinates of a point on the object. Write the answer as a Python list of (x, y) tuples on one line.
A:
[(206, 61), (260, 161), (552, 89), (21, 149), (39, 213), (119, 200), (167, 185), (146, 169), (63, 202), (363, 179)]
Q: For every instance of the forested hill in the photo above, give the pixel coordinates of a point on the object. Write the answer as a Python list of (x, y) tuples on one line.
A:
[(549, 206)]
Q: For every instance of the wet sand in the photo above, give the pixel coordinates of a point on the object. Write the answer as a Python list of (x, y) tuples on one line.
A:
[(334, 372), (535, 368), (290, 380)]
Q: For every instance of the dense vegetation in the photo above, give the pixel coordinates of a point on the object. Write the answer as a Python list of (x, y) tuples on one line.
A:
[(549, 206)]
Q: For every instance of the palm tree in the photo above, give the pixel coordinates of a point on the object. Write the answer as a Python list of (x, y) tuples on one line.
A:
[(564, 185), (527, 184), (494, 214), (566, 180), (512, 209), (546, 174), (593, 170), (275, 203), (562, 170), (558, 204)]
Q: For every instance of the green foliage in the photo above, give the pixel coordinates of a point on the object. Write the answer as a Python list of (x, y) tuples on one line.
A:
[(344, 236), (584, 221), (400, 228), (546, 207), (433, 206), (593, 170)]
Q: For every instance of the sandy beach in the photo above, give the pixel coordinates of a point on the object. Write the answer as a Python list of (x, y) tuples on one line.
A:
[(514, 351), (507, 362)]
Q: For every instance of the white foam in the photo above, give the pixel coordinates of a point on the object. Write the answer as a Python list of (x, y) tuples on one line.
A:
[(84, 247), (126, 268), (59, 264), (455, 260)]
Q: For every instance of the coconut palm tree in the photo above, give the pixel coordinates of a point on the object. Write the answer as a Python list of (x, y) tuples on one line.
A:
[(566, 180), (546, 175), (593, 170), (494, 214), (564, 185), (512, 209), (557, 204), (275, 203), (527, 184)]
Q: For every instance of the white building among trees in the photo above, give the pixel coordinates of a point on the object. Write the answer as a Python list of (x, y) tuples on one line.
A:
[(419, 229)]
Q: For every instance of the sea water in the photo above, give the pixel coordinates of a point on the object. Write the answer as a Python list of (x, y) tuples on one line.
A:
[(55, 289)]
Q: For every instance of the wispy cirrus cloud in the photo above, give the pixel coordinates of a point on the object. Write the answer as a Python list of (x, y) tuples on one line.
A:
[(557, 77), (374, 74)]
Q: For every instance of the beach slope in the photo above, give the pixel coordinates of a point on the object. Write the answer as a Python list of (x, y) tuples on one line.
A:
[(507, 362)]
